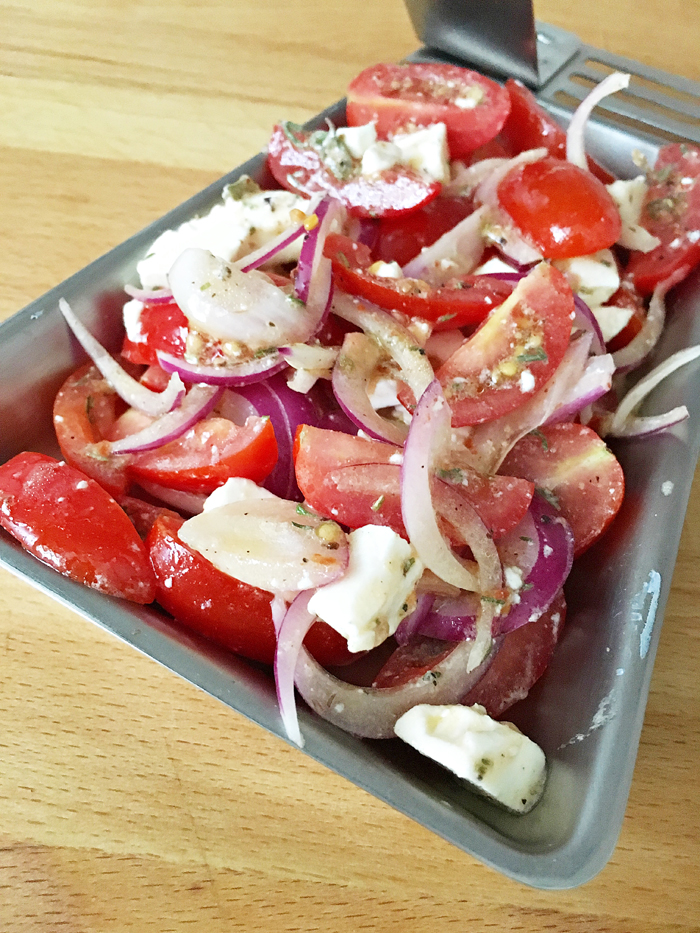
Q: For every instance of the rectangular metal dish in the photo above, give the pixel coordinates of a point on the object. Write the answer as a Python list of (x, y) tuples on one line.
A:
[(587, 712)]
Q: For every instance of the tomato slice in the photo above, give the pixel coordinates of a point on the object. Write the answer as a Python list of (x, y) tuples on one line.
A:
[(400, 96), (399, 239), (672, 213), (354, 480), (307, 162), (522, 659), (461, 302), (562, 209), (84, 413), (233, 614), (204, 457), (72, 524), (513, 353), (627, 297), (580, 472), (163, 327)]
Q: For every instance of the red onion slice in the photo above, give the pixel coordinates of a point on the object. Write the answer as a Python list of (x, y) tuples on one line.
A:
[(371, 712), (644, 342), (155, 296), (352, 372), (586, 321), (290, 637), (398, 342), (455, 253), (469, 177), (275, 246), (575, 136), (313, 284), (197, 404), (127, 388), (237, 374), (593, 384), (189, 503)]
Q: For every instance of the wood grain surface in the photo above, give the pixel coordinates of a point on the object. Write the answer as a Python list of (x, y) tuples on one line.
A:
[(129, 800)]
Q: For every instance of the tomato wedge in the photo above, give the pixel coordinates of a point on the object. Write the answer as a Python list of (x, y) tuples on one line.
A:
[(563, 210), (163, 327), (513, 353), (72, 524), (401, 96), (307, 162), (84, 413), (672, 213), (357, 481), (204, 457), (233, 614), (580, 472), (461, 302)]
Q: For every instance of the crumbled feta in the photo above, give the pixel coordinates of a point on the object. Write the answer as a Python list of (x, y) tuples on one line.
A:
[(513, 577), (132, 320), (384, 394), (235, 489), (494, 264), (595, 278), (386, 270), (232, 228), (526, 381), (379, 157), (493, 756), (611, 320), (426, 151), (358, 139), (376, 592), (629, 196)]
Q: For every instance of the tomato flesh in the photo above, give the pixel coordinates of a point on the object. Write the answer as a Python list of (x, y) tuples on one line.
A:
[(513, 353), (163, 327), (575, 465), (72, 524), (300, 165), (230, 613), (459, 303), (399, 239), (672, 213), (563, 210), (397, 97)]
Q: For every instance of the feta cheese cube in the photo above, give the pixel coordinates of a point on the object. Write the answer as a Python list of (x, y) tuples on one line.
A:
[(495, 757), (595, 278), (358, 139), (379, 156), (376, 592), (426, 151)]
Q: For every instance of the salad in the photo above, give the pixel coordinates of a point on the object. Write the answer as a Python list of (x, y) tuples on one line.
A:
[(357, 427)]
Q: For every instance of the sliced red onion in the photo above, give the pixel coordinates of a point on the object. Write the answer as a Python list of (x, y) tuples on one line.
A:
[(197, 404), (313, 284), (586, 321), (544, 581), (153, 296), (593, 384), (470, 177), (286, 409), (399, 343), (352, 374), (411, 624), (277, 545), (575, 136), (275, 246), (455, 253), (290, 637), (641, 345), (235, 374), (625, 424), (190, 503), (129, 389), (451, 619), (371, 712)]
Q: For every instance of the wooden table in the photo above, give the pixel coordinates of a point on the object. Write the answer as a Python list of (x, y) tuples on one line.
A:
[(129, 800)]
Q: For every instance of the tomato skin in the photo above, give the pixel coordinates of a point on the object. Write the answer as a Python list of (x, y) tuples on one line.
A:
[(671, 212), (530, 331), (204, 457), (576, 466), (353, 480), (399, 239), (164, 327), (233, 614), (60, 515), (563, 210), (299, 167), (627, 297), (399, 96), (522, 659), (84, 412), (460, 303)]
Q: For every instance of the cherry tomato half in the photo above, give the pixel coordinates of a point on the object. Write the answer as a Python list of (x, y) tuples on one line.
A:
[(562, 209), (398, 97), (72, 524), (307, 162)]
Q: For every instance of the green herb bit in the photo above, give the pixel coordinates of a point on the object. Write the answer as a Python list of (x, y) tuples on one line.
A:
[(377, 504), (205, 286), (241, 189), (453, 475), (302, 510), (533, 356), (418, 350), (446, 317), (264, 351), (493, 599), (549, 496), (543, 440), (482, 768), (407, 564), (526, 539), (431, 677)]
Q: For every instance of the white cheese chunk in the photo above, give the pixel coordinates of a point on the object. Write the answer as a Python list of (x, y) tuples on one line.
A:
[(386, 270), (376, 592), (494, 756), (611, 320), (132, 320), (235, 489), (494, 264), (426, 151), (629, 197), (594, 278), (379, 157), (231, 229), (358, 139)]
